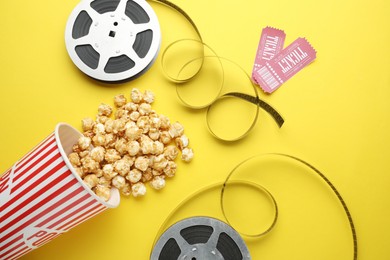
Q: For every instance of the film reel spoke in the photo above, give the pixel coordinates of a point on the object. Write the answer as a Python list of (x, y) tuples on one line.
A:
[(121, 9), (213, 240), (133, 55), (184, 246), (85, 40), (138, 28), (92, 13), (103, 60)]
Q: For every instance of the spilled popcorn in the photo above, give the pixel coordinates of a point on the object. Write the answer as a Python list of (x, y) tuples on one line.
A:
[(137, 147)]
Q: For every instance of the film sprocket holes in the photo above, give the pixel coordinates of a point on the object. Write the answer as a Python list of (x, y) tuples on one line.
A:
[(113, 40)]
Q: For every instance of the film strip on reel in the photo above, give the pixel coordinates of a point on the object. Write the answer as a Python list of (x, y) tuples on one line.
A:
[(199, 238), (113, 40)]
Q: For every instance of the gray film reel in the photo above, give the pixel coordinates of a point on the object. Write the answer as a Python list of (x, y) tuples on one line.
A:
[(113, 40), (200, 238)]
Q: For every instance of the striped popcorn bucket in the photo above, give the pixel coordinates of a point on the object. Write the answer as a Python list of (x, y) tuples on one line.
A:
[(41, 196)]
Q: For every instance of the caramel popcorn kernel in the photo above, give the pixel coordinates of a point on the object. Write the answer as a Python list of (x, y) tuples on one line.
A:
[(138, 189), (84, 142), (102, 192), (158, 182), (91, 180), (120, 100), (136, 95), (87, 124), (136, 147), (187, 154)]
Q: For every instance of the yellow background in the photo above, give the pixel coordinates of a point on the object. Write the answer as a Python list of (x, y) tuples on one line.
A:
[(336, 112)]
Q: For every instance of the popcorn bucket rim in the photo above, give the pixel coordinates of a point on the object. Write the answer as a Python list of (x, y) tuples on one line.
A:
[(114, 200)]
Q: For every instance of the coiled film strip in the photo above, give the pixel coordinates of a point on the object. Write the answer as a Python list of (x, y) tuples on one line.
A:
[(197, 62), (113, 40), (222, 187)]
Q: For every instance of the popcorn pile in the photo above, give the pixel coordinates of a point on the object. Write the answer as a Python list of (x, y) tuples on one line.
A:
[(136, 147)]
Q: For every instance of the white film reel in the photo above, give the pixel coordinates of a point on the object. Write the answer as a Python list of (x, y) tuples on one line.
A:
[(113, 40)]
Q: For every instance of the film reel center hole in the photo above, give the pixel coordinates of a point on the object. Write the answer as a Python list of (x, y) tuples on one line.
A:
[(112, 34)]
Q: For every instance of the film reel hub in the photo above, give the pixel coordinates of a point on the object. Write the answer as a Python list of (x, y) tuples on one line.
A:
[(202, 251), (113, 40), (112, 35)]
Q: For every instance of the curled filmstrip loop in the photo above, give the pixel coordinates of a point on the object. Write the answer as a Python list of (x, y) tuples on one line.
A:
[(228, 181), (179, 79), (316, 171), (261, 189), (189, 19), (217, 186), (180, 11), (175, 78), (218, 96)]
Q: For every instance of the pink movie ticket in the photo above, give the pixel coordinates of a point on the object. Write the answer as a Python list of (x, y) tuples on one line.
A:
[(285, 65), (271, 43)]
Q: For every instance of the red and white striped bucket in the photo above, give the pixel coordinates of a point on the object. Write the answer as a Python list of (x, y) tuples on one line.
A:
[(42, 196)]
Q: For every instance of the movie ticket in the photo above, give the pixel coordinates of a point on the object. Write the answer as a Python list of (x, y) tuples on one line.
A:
[(271, 43), (273, 73)]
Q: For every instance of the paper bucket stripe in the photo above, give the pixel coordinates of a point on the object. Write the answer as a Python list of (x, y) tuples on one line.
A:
[(41, 197)]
